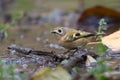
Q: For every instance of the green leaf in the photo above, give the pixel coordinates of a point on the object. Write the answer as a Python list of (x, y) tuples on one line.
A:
[(4, 28), (101, 28), (64, 62), (75, 69), (101, 48), (101, 77)]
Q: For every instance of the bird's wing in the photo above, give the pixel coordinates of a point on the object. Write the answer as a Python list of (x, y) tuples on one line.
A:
[(68, 38), (84, 34), (75, 35), (69, 35), (79, 34)]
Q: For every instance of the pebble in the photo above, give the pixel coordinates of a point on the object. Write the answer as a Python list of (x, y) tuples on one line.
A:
[(56, 46)]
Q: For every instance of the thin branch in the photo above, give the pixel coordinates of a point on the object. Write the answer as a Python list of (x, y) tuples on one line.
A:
[(28, 51)]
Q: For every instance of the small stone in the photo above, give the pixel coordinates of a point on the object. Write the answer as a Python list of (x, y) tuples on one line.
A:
[(21, 36), (55, 46), (38, 39), (24, 66)]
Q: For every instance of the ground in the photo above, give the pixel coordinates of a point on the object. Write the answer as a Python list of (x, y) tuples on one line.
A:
[(38, 37)]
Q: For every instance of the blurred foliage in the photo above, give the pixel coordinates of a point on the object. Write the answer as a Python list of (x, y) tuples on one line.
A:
[(25, 4), (4, 28), (42, 5), (49, 74), (17, 16), (75, 69), (101, 48), (100, 69), (101, 28), (22, 5), (48, 25), (8, 72), (49, 5), (113, 4)]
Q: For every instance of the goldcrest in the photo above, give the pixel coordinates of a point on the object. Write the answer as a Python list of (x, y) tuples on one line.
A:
[(71, 38)]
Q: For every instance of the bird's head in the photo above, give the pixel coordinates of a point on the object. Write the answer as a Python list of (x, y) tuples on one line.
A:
[(61, 31), (70, 34)]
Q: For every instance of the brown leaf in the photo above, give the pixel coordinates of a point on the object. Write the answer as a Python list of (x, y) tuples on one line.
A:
[(112, 41)]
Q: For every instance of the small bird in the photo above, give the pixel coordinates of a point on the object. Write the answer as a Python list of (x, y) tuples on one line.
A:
[(71, 38)]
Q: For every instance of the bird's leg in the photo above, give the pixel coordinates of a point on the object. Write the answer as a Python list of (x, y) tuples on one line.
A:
[(65, 53), (69, 52), (79, 48)]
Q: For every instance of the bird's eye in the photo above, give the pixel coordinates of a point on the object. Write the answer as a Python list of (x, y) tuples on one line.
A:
[(60, 31), (77, 34)]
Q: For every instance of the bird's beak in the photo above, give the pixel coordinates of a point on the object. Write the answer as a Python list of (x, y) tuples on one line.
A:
[(54, 32), (89, 35)]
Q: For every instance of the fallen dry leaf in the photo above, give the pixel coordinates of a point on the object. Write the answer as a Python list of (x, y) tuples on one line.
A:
[(112, 41), (48, 74)]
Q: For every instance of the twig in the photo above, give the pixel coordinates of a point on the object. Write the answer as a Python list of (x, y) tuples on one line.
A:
[(20, 49), (111, 74), (28, 51), (74, 60)]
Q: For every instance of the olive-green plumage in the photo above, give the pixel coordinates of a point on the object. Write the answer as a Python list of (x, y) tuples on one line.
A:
[(71, 38)]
